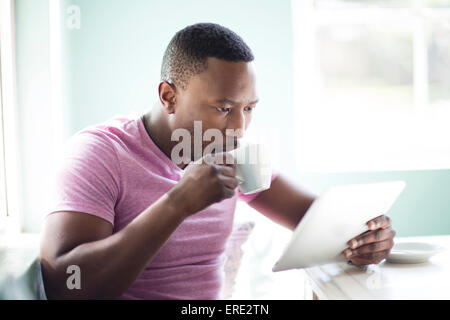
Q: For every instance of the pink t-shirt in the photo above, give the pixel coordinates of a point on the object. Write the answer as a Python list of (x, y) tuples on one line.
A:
[(115, 171)]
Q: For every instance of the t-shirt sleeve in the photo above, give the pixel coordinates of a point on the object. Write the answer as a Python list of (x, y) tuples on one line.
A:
[(88, 177), (249, 197)]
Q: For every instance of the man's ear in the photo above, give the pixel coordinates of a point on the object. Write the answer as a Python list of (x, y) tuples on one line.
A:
[(167, 96)]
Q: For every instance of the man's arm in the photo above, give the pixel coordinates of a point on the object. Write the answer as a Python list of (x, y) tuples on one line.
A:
[(284, 203), (109, 263)]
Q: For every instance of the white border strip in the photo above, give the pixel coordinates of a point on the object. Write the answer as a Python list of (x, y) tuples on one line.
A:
[(10, 115)]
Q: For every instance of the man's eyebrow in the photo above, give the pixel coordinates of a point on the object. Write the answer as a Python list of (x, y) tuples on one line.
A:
[(233, 103)]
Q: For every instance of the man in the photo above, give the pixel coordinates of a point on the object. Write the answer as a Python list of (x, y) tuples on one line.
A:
[(138, 226)]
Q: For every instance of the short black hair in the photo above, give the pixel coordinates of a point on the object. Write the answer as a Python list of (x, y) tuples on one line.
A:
[(187, 53)]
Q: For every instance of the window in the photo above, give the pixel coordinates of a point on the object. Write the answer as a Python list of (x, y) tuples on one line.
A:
[(371, 84)]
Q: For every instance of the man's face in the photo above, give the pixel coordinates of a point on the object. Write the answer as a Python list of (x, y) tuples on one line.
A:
[(222, 97)]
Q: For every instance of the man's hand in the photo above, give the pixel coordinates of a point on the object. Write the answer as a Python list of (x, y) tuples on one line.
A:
[(207, 181), (372, 246)]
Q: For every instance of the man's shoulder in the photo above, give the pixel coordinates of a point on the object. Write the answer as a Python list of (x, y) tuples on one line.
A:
[(115, 129)]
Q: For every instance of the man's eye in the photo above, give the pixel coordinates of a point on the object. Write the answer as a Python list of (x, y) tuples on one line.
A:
[(223, 109), (249, 109)]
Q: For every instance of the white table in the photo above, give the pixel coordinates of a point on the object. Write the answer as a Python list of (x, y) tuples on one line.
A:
[(428, 280)]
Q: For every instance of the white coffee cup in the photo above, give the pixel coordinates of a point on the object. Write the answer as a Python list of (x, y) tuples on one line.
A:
[(253, 167)]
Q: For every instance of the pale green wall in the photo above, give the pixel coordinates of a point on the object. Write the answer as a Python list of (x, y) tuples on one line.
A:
[(112, 64), (422, 209)]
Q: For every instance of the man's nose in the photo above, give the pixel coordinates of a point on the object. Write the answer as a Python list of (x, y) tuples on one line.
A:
[(236, 126)]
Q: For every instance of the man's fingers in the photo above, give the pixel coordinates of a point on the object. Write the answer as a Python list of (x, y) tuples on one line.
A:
[(229, 182), (372, 248), (374, 245), (361, 262), (226, 171), (370, 258), (228, 193), (380, 222), (371, 237)]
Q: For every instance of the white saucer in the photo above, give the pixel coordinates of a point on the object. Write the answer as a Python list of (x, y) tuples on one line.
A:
[(412, 252)]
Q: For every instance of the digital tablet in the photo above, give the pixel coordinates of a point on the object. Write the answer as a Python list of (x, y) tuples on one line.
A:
[(335, 217)]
